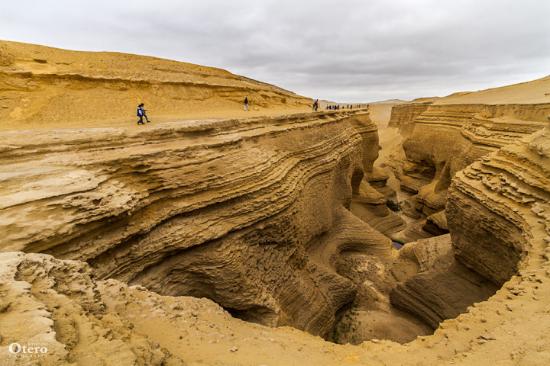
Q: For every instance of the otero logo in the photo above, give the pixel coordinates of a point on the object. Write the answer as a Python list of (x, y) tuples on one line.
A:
[(30, 349)]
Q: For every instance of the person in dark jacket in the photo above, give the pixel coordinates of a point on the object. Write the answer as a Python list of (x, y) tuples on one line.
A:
[(246, 104), (316, 105), (142, 114)]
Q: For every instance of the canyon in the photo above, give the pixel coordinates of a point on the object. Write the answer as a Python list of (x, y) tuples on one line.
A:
[(270, 238)]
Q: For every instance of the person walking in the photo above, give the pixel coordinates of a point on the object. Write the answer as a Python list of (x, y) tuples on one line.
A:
[(246, 104), (316, 105), (141, 113)]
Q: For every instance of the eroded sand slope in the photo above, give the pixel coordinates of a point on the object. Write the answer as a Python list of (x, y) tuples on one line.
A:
[(43, 87)]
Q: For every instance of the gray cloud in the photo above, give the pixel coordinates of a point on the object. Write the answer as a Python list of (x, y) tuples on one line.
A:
[(350, 50)]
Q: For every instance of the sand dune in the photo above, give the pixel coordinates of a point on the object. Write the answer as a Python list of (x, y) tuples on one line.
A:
[(531, 92), (45, 87)]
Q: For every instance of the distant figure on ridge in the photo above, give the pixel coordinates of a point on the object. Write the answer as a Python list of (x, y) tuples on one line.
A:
[(316, 105), (141, 113), (246, 104)]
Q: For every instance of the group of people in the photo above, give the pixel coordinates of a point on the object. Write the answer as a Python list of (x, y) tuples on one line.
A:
[(334, 107), (338, 106), (142, 113)]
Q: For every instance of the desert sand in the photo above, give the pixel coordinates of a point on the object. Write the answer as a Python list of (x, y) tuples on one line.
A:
[(531, 92), (44, 87), (207, 238)]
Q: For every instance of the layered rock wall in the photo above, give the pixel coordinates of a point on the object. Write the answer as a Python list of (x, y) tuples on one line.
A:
[(89, 321), (496, 193), (447, 138), (224, 210), (403, 115)]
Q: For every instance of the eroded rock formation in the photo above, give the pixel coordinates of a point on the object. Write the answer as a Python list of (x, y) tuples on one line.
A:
[(443, 136), (83, 319), (494, 192), (433, 285), (107, 232), (403, 115), (245, 212)]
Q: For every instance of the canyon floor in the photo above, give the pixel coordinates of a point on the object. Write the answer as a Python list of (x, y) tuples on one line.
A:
[(218, 237)]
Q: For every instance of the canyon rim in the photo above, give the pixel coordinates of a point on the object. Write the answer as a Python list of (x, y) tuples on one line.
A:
[(363, 233)]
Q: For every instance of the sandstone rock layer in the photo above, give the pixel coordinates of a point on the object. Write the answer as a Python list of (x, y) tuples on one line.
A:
[(226, 210), (74, 312)]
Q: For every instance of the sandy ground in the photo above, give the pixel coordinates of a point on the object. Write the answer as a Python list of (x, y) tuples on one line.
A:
[(531, 92), (131, 122), (380, 114), (43, 87), (390, 139)]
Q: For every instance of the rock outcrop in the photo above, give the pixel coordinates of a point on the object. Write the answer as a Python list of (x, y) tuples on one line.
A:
[(437, 287), (403, 115), (443, 136), (82, 319), (58, 306), (229, 210), (494, 193), (447, 138), (372, 203)]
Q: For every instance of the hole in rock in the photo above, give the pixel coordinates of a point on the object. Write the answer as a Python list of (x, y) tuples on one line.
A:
[(255, 314)]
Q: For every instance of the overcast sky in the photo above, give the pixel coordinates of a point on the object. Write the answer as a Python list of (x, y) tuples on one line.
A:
[(347, 50)]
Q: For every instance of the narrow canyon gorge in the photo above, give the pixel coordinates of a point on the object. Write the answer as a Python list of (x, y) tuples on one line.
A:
[(398, 234)]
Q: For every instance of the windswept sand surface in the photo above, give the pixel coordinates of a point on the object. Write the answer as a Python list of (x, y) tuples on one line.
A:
[(44, 87), (530, 92)]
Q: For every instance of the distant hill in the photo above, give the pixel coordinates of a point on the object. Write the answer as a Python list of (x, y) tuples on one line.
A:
[(44, 87), (390, 101), (530, 92)]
